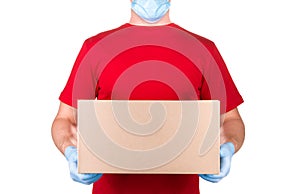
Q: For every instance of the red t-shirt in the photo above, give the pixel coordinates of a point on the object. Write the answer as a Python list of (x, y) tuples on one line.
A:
[(150, 63)]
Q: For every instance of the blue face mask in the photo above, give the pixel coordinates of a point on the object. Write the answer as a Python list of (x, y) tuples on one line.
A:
[(150, 10)]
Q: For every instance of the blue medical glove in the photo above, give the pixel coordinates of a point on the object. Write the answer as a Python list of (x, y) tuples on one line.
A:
[(226, 153), (72, 157)]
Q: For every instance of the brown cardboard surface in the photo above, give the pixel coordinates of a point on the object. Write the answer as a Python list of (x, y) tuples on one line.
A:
[(148, 137)]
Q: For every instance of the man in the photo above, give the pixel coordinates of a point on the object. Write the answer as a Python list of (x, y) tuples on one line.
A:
[(150, 18)]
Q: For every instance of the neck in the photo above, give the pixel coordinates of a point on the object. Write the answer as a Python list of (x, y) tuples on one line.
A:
[(136, 20)]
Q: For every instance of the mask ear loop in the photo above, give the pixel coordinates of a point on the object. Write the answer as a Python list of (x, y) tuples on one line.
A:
[(167, 4), (134, 4)]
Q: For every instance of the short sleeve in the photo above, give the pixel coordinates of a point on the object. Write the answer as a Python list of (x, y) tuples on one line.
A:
[(218, 83), (82, 82)]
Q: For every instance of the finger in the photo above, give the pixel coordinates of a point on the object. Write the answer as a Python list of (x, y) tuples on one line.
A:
[(227, 149), (210, 178), (73, 167), (89, 178), (71, 153), (215, 176), (225, 165), (224, 170)]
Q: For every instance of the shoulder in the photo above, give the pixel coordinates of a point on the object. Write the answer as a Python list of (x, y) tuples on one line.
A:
[(209, 44), (89, 42)]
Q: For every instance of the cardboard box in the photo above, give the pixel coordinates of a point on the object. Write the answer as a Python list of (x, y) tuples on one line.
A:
[(148, 137)]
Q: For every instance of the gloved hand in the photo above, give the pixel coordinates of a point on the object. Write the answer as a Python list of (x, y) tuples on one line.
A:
[(226, 153), (72, 157)]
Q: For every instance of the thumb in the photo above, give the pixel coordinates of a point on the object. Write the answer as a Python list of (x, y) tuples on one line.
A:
[(71, 153), (227, 149)]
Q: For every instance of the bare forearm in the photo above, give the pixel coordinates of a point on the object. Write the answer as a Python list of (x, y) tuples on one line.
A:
[(64, 133), (233, 130)]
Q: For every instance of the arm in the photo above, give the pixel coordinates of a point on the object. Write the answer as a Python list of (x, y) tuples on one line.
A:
[(64, 134), (64, 129), (232, 129), (231, 139)]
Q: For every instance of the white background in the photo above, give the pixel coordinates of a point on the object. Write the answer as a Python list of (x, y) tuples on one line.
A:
[(258, 39)]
